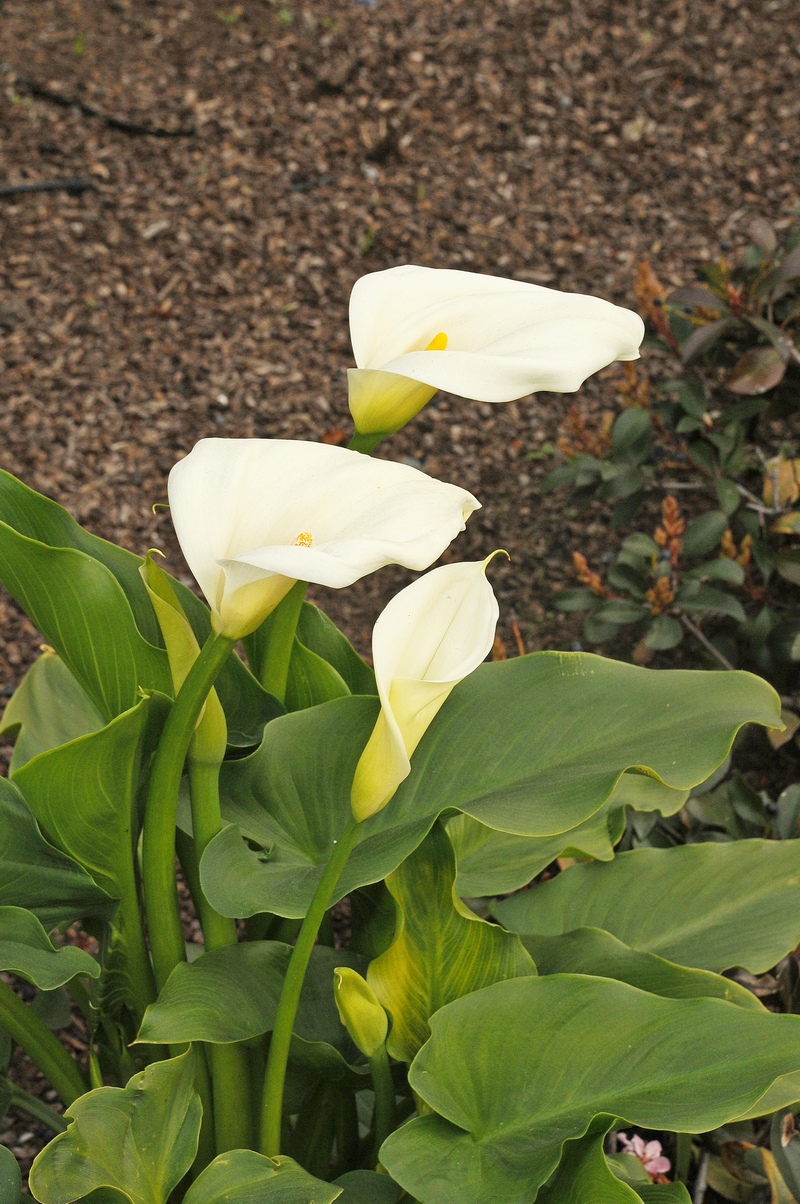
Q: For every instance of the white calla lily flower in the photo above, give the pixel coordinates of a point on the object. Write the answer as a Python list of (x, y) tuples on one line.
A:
[(253, 516), (415, 330), (430, 636)]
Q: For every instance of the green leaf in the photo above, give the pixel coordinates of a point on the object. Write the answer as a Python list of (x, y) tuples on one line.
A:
[(26, 950), (788, 565), (42, 519), (709, 905), (621, 611), (642, 546), (245, 1177), (319, 634), (85, 610), (495, 863), (728, 496), (632, 434), (368, 1187), (232, 994), (592, 951), (84, 794), (515, 1070), (663, 633), (721, 569), (76, 602), (704, 599), (575, 599), (663, 1193), (441, 950), (139, 1140), (704, 533), (703, 338), (38, 877), (311, 680), (533, 746), (583, 1174), (595, 632), (527, 745), (48, 708), (227, 995), (10, 1177)]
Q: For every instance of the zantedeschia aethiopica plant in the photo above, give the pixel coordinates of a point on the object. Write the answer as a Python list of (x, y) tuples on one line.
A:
[(412, 1050)]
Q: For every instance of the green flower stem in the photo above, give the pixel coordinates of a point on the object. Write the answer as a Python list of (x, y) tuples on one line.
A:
[(366, 444), (229, 1065), (278, 654), (384, 1120), (683, 1156), (218, 930), (38, 1109), (275, 1077), (158, 843), (41, 1045), (206, 1144), (142, 981)]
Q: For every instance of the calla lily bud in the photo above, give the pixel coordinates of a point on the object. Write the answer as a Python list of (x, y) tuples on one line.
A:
[(211, 733), (430, 636), (253, 516), (360, 1012), (415, 330)]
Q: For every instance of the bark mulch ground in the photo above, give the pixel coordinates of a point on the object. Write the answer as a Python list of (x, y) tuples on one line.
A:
[(235, 167)]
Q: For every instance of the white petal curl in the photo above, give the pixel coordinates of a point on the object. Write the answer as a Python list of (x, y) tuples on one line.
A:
[(429, 637), (505, 338), (245, 509)]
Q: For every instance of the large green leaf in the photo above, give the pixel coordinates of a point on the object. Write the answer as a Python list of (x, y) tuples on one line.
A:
[(368, 1187), (26, 950), (318, 633), (532, 746), (515, 1070), (663, 1193), (75, 601), (10, 1177), (84, 794), (49, 708), (138, 1140), (38, 877), (592, 951), (311, 680), (494, 863), (232, 994), (583, 1175), (713, 906), (101, 613), (244, 1177), (441, 950), (535, 745), (317, 639), (227, 995)]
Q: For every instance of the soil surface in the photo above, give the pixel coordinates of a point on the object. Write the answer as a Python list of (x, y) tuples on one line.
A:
[(246, 162)]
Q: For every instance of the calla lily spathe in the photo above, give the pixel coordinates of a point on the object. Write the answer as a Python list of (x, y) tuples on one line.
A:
[(255, 515), (431, 635), (415, 330)]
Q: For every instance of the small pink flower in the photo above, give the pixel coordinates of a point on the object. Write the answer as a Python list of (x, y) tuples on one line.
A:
[(648, 1153)]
